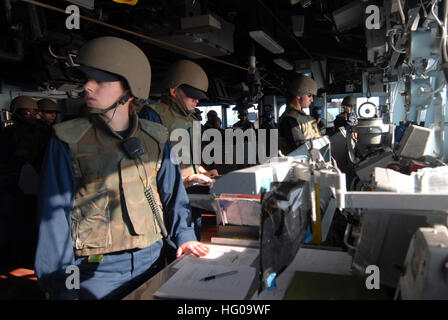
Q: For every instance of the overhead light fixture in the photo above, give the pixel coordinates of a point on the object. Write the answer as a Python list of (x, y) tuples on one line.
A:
[(303, 3), (283, 63), (266, 41)]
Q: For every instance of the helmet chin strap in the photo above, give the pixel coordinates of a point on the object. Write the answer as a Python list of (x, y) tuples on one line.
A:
[(122, 100), (183, 107)]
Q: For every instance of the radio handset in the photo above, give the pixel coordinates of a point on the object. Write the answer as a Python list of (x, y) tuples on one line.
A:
[(135, 148)]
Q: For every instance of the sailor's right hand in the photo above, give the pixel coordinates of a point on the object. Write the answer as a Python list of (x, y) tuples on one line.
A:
[(193, 247), (197, 179)]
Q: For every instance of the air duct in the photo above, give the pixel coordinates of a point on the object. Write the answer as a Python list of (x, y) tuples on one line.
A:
[(206, 34), (349, 16)]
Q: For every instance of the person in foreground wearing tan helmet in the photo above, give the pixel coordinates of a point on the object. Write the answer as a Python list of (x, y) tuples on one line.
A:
[(111, 195), (186, 83), (295, 126)]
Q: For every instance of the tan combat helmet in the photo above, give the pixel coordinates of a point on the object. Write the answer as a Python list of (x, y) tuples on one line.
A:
[(186, 72), (47, 105), (348, 100), (120, 57), (22, 102), (302, 85)]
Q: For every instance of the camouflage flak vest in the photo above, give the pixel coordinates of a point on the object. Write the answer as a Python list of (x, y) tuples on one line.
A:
[(306, 123), (110, 211), (172, 118)]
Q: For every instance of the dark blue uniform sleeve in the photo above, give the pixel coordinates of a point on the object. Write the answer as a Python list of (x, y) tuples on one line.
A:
[(176, 205), (54, 248), (149, 114)]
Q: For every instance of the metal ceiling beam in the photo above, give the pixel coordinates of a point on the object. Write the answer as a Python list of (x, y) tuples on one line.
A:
[(339, 57)]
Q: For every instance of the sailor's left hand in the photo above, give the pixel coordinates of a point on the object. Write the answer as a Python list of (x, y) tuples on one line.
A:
[(211, 173), (194, 247)]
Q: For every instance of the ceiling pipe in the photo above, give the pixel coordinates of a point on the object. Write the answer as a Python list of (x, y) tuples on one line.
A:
[(343, 58), (142, 36), (36, 29)]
